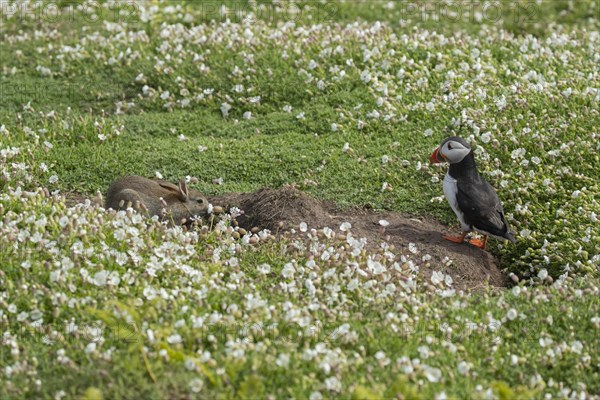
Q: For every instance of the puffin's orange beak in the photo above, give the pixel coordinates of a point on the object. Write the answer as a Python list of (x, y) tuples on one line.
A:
[(434, 157)]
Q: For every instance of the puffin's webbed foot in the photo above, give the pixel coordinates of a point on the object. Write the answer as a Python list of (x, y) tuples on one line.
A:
[(455, 239), (479, 243)]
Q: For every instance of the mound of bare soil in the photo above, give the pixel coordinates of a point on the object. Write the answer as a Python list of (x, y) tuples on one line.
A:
[(281, 209)]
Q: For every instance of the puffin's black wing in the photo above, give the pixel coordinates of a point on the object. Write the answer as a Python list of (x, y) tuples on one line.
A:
[(481, 206)]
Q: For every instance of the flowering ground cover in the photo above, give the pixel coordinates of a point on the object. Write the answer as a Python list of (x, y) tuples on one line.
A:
[(343, 100)]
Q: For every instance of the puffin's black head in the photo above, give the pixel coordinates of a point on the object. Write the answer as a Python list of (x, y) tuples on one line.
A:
[(452, 150)]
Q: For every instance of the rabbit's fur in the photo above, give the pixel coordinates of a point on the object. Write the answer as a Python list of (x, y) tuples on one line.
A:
[(143, 194)]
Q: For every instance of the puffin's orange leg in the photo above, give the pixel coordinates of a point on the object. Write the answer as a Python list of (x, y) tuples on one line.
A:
[(479, 243), (456, 239)]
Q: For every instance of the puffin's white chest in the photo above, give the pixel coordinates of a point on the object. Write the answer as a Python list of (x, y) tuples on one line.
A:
[(450, 191)]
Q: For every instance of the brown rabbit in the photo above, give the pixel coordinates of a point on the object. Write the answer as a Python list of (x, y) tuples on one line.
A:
[(157, 197)]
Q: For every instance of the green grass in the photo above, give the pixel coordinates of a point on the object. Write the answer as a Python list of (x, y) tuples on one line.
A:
[(481, 336), (550, 194)]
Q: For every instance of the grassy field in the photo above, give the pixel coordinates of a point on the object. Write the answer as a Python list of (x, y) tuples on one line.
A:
[(345, 100)]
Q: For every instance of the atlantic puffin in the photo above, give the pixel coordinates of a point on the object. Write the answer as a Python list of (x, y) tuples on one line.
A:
[(473, 200)]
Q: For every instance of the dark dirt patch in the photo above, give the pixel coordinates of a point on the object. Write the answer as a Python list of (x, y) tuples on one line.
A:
[(281, 209), (73, 198)]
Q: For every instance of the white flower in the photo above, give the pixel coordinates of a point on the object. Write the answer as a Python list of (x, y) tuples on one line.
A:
[(543, 274), (432, 374), (189, 364), (114, 279), (334, 127), (196, 385), (165, 95), (316, 396), (100, 278), (375, 266), (333, 384), (384, 223), (264, 268), (43, 70), (463, 368), (501, 102), (448, 280), (365, 76), (225, 108), (428, 132), (310, 287), (288, 270), (412, 248), (441, 396), (512, 314), (283, 360), (90, 348), (576, 347), (53, 179), (382, 359), (247, 115), (174, 339), (518, 153), (437, 277), (303, 227), (525, 232), (55, 275), (345, 226), (486, 137)]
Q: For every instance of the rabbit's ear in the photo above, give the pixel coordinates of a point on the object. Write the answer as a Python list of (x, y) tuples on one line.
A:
[(183, 190), (167, 185)]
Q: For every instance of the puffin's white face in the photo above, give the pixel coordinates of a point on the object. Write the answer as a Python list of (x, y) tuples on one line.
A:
[(453, 152)]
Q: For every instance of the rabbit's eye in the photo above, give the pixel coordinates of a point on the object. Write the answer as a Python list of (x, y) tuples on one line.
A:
[(201, 201)]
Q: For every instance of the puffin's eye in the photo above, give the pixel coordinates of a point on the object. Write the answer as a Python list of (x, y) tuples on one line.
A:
[(449, 146)]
